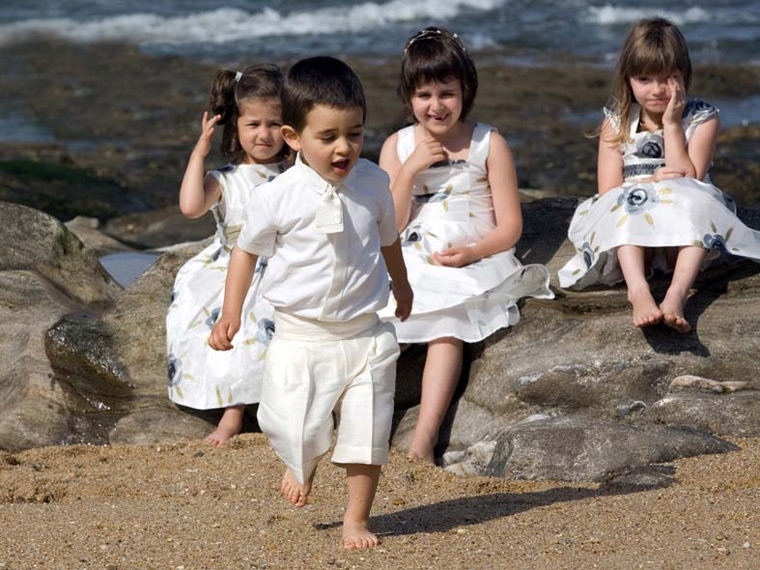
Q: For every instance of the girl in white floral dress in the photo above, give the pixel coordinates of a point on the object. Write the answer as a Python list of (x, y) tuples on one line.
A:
[(656, 207), (457, 206), (248, 105)]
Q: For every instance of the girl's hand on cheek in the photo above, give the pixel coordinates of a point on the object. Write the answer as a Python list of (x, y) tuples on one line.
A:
[(677, 103)]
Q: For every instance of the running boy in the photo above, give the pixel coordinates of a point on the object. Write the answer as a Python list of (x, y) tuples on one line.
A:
[(328, 227)]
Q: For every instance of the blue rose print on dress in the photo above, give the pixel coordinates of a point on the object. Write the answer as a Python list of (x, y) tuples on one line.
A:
[(174, 296), (261, 265), (216, 254), (265, 331), (588, 254), (715, 241), (637, 199), (652, 147), (411, 238), (174, 370), (212, 318)]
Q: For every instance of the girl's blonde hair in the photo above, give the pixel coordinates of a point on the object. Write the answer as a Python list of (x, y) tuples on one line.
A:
[(654, 46)]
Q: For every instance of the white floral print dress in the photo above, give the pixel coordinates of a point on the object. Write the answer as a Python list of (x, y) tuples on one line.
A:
[(200, 377), (672, 213), (452, 205)]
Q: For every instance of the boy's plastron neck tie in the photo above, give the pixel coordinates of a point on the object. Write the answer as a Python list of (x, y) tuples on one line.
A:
[(329, 217)]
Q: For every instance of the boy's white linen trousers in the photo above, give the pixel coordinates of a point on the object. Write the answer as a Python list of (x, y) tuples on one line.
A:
[(322, 374)]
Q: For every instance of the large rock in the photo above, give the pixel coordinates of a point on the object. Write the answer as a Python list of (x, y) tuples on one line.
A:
[(85, 361), (580, 357), (45, 273)]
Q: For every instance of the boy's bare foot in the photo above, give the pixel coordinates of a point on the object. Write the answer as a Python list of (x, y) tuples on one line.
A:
[(356, 536), (294, 491), (645, 310), (673, 314), (230, 425)]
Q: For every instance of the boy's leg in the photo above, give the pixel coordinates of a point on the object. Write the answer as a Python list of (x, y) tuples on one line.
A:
[(295, 413), (443, 366), (230, 424), (632, 263), (362, 484), (688, 264)]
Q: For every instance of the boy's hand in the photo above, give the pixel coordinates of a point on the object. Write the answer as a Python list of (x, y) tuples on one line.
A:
[(223, 332), (402, 292)]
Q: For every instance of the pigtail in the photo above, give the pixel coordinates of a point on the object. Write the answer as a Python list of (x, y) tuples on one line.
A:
[(222, 101)]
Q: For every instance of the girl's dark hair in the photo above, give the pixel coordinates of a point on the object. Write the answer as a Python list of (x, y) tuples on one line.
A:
[(320, 80), (654, 46), (436, 54), (230, 89)]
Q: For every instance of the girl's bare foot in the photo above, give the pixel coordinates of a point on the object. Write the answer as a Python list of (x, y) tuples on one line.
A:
[(356, 536), (230, 425), (295, 491), (421, 450), (645, 310), (673, 313)]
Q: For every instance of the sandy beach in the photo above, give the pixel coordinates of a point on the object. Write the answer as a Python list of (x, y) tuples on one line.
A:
[(189, 506)]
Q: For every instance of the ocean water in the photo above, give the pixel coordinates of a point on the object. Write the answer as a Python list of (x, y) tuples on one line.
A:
[(215, 31)]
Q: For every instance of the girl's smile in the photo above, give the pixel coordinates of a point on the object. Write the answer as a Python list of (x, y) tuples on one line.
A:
[(437, 106)]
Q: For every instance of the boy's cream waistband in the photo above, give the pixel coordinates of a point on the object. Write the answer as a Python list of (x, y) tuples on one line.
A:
[(292, 327)]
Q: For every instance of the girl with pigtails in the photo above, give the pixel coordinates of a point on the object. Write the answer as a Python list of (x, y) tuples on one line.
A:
[(247, 106)]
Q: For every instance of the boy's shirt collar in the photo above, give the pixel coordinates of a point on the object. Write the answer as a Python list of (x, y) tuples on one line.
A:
[(329, 214), (320, 184)]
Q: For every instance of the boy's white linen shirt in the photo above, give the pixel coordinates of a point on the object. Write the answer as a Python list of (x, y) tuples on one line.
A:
[(327, 277)]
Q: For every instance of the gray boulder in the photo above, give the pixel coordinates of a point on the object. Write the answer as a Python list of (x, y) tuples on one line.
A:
[(579, 358), (573, 392)]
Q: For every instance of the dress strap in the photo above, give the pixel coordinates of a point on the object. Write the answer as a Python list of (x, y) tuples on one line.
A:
[(405, 143), (480, 145)]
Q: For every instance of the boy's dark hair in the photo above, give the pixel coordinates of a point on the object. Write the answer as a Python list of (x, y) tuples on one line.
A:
[(436, 54), (320, 80)]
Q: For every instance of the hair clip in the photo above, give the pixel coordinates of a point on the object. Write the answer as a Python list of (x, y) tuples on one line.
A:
[(433, 32), (238, 75)]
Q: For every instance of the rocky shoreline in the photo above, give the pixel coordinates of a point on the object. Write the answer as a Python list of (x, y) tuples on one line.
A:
[(124, 123)]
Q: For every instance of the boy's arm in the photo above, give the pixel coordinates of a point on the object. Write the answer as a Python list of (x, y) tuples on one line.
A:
[(402, 291), (236, 285)]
